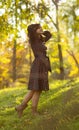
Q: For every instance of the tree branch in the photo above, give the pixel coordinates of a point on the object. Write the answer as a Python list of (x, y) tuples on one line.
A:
[(52, 20), (54, 2), (72, 54)]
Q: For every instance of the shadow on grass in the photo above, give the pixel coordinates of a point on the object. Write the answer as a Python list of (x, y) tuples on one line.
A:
[(59, 106)]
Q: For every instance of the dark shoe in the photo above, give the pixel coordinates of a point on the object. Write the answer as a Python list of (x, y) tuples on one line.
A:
[(20, 109), (34, 111)]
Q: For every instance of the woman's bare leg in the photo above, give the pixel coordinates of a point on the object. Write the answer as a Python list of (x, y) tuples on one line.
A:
[(35, 100), (23, 105), (28, 96)]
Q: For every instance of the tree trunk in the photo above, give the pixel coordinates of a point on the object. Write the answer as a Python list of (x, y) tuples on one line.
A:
[(14, 47), (14, 61), (59, 46), (61, 62)]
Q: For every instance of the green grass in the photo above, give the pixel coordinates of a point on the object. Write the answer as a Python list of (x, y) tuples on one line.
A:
[(59, 108)]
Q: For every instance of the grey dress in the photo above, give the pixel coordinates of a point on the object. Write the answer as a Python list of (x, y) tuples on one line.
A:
[(38, 79)]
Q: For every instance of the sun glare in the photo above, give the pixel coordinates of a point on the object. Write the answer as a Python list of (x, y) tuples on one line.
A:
[(77, 12), (23, 6), (23, 35), (2, 11)]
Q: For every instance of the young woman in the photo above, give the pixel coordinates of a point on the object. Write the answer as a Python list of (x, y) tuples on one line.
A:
[(38, 80)]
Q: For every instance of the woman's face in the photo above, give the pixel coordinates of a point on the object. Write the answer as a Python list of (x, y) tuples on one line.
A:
[(39, 30)]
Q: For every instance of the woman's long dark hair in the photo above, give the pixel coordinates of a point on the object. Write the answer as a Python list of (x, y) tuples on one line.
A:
[(32, 32)]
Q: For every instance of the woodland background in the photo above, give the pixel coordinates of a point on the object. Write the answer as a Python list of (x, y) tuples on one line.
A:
[(60, 17), (59, 107)]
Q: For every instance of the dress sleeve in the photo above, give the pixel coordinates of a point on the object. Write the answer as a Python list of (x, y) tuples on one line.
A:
[(47, 35)]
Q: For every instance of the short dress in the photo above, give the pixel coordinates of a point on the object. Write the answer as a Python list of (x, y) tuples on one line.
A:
[(38, 79)]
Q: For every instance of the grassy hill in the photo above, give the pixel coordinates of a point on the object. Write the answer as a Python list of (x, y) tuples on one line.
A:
[(59, 108)]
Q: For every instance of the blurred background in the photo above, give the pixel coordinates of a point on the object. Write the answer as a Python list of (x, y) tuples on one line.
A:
[(60, 17)]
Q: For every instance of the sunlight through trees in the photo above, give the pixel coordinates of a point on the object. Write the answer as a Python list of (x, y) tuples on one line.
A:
[(15, 53)]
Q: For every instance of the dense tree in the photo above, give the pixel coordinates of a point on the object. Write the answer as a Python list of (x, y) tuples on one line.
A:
[(61, 18)]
